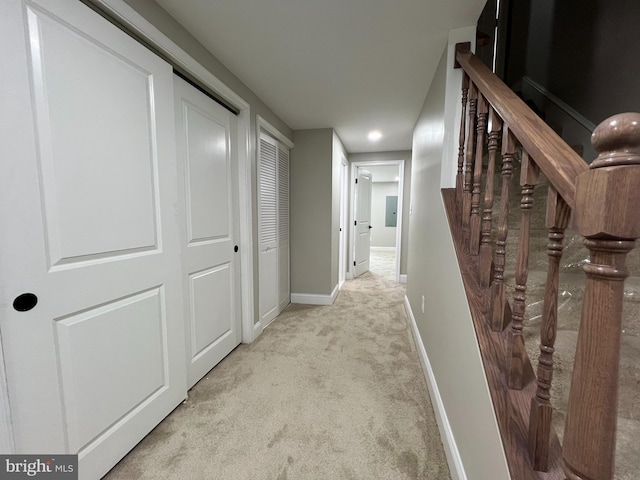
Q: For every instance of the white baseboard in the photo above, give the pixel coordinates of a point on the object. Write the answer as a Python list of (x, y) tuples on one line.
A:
[(383, 249), (315, 299), (450, 448), (257, 330), (403, 278)]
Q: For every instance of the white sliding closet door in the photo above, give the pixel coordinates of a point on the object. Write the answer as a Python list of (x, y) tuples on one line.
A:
[(88, 218), (208, 175), (273, 231)]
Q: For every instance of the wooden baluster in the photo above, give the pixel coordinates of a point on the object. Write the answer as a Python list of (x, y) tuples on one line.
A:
[(500, 311), (460, 174), (466, 196), (516, 354), (558, 213), (474, 221), (607, 215), (486, 252)]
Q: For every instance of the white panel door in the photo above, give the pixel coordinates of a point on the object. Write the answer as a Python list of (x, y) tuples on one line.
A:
[(363, 222), (268, 228), (208, 163), (88, 214)]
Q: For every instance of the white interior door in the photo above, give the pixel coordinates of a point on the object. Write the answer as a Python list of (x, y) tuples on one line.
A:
[(268, 228), (363, 222), (88, 214), (207, 165)]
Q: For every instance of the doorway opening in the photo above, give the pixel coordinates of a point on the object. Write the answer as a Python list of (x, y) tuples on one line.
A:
[(385, 239)]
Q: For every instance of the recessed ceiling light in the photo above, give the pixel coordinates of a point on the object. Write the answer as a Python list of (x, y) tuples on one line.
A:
[(375, 135)]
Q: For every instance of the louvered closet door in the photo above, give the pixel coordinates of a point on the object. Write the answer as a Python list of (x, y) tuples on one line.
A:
[(268, 228), (284, 295)]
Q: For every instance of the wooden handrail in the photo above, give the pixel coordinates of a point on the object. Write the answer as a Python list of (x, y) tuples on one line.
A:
[(557, 160)]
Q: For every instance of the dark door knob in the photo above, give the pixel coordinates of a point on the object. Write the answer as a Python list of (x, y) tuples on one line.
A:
[(25, 302), (235, 249), (370, 226)]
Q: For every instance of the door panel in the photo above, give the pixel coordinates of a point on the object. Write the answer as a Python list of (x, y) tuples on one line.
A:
[(363, 222), (94, 354), (206, 164), (268, 228), (284, 288), (210, 299), (206, 137), (88, 215), (73, 150)]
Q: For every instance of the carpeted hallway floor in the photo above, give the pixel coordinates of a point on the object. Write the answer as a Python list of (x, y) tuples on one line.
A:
[(324, 393)]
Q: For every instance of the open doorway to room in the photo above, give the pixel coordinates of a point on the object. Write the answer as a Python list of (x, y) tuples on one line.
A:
[(385, 239)]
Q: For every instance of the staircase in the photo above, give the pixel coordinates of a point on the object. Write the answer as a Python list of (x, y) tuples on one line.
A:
[(558, 333), (571, 296)]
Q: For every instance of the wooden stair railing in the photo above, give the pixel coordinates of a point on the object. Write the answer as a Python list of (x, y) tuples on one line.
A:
[(604, 199)]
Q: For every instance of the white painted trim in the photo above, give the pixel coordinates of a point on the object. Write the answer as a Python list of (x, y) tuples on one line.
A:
[(315, 299), (273, 131), (352, 210), (7, 444), (258, 328), (573, 113), (383, 249), (403, 278), (343, 256), (451, 451), (138, 24)]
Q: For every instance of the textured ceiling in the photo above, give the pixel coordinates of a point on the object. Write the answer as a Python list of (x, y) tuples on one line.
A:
[(354, 65)]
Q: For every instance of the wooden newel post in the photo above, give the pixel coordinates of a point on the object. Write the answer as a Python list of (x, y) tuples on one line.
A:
[(607, 214)]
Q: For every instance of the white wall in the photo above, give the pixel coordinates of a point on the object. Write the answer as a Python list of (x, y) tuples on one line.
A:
[(446, 329), (381, 235)]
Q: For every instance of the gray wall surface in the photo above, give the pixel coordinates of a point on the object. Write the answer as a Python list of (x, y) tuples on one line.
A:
[(157, 16), (381, 235), (446, 328), (399, 155), (311, 209), (576, 49)]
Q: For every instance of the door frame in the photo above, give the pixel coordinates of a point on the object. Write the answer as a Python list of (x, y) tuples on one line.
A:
[(344, 214), (352, 210), (135, 22)]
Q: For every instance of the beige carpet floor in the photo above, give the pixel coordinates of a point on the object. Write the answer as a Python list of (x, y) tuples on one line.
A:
[(324, 393)]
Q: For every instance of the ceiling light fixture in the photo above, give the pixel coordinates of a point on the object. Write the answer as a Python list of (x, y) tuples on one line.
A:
[(375, 135)]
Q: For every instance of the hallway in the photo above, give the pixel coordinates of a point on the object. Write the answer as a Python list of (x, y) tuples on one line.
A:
[(325, 393)]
